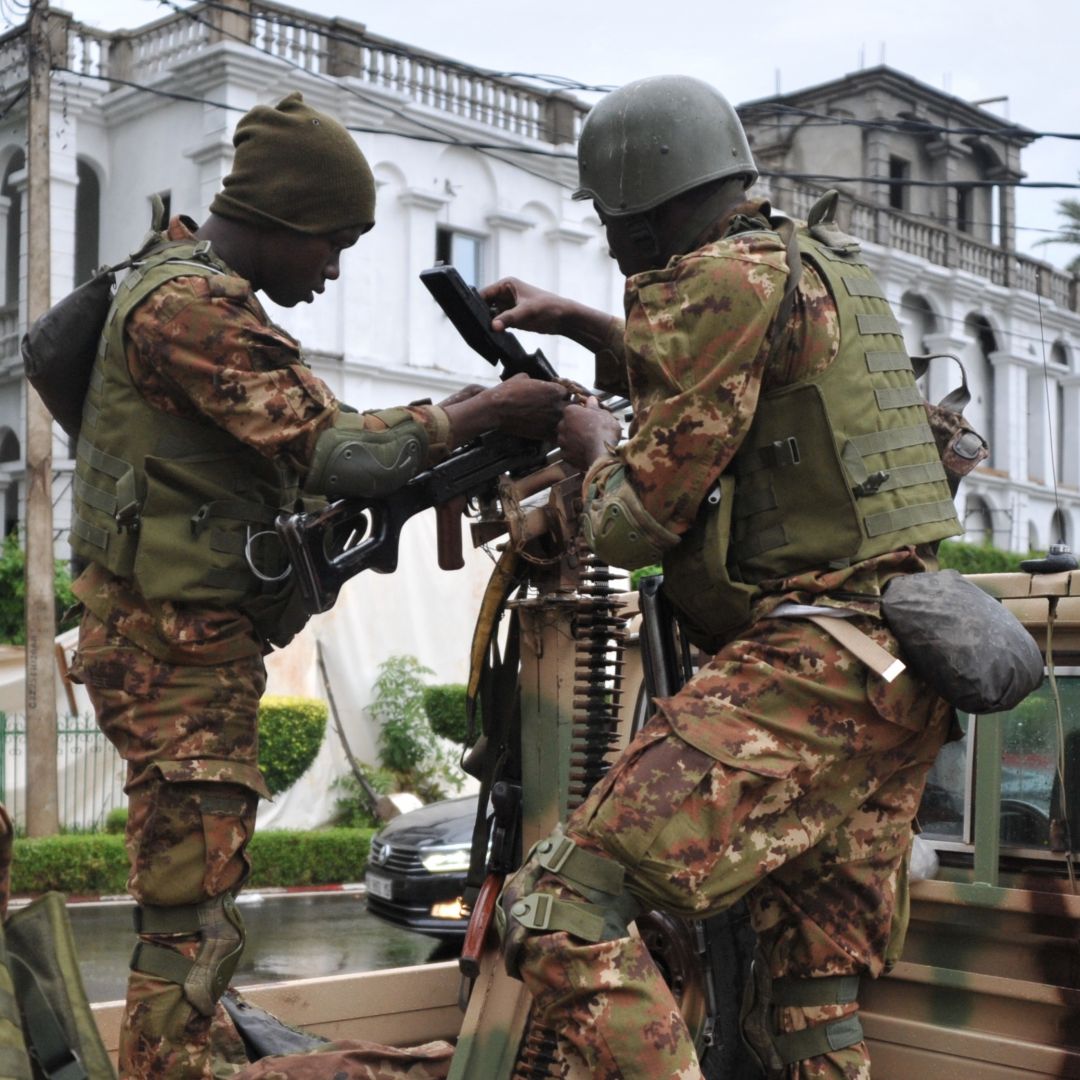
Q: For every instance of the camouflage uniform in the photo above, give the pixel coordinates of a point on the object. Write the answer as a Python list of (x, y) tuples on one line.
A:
[(176, 686), (784, 771)]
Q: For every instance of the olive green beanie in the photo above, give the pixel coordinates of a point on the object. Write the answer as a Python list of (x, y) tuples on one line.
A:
[(299, 169)]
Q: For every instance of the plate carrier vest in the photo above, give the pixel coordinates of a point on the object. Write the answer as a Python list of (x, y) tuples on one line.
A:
[(177, 505), (837, 468)]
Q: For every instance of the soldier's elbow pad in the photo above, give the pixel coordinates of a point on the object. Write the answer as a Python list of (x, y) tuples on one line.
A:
[(622, 532), (351, 461)]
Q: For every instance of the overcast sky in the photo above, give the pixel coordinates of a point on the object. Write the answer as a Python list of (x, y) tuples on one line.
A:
[(1028, 53)]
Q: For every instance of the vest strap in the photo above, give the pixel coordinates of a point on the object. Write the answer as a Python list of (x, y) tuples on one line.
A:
[(754, 543), (98, 499), (236, 509), (878, 442), (819, 1040), (539, 911), (754, 502), (862, 286), (884, 360), (898, 397), (94, 536), (908, 516), (55, 1056), (877, 324), (829, 990), (149, 919), (910, 476), (161, 962)]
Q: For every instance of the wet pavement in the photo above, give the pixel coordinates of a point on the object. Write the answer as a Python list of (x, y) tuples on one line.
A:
[(289, 936)]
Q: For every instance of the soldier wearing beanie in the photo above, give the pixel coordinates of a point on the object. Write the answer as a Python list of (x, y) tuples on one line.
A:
[(202, 424)]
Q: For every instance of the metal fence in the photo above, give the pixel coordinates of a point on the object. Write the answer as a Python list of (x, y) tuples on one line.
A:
[(89, 770)]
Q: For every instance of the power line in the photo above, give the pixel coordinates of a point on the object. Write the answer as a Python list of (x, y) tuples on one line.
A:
[(902, 125)]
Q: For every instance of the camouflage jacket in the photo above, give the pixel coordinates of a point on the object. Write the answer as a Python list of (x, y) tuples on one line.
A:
[(204, 348), (693, 355)]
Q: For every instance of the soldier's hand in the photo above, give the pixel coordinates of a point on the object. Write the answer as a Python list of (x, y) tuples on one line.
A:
[(463, 394), (524, 307), (527, 407), (587, 432)]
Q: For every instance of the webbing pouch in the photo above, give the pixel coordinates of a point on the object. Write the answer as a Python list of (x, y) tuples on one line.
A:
[(60, 1029), (710, 604)]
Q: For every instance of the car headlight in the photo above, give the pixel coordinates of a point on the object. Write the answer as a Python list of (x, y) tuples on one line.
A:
[(446, 860)]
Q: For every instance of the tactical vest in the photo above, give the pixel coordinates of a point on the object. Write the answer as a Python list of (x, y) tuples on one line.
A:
[(835, 469), (179, 506)]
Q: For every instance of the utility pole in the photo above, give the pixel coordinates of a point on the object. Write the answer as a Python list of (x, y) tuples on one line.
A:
[(42, 803)]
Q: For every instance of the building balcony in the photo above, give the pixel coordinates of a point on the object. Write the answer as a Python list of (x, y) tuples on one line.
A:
[(937, 244)]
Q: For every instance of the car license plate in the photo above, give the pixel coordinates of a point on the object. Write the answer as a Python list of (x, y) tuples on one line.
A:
[(379, 886)]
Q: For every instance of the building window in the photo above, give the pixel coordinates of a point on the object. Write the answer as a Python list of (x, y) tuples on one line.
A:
[(899, 175), (963, 209), (461, 250), (87, 222), (14, 230)]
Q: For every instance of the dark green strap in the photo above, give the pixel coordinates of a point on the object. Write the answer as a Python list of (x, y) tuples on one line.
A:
[(887, 360), (539, 911), (898, 397), (755, 543), (862, 286), (878, 442), (228, 543), (166, 920), (776, 455), (908, 516), (99, 538), (56, 1058), (236, 509), (98, 459), (562, 856), (826, 990), (819, 1040), (877, 324), (904, 476), (754, 501), (161, 962), (94, 496)]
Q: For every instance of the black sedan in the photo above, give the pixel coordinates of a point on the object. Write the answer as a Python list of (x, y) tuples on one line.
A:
[(416, 869)]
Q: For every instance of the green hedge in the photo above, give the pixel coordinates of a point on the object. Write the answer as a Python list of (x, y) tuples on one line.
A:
[(291, 730), (96, 864), (445, 708)]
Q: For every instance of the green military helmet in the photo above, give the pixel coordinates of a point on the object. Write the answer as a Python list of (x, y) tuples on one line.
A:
[(656, 138)]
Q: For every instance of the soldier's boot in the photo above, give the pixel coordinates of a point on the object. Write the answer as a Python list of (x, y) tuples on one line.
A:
[(564, 919)]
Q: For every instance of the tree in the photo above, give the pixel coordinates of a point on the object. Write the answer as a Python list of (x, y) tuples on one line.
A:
[(1069, 209), (13, 592)]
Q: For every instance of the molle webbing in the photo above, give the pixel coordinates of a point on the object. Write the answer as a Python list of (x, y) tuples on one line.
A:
[(175, 504), (842, 465)]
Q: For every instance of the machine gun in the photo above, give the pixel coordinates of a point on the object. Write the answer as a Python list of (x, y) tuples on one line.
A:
[(329, 546)]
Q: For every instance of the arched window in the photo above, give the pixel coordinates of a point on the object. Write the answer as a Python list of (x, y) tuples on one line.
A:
[(980, 375), (87, 222), (978, 521), (13, 239), (9, 451)]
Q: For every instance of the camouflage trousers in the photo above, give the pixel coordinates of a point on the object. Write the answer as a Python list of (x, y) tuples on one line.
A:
[(189, 737), (797, 791)]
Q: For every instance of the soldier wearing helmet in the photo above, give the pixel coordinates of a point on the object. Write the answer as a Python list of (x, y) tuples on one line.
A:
[(780, 468)]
